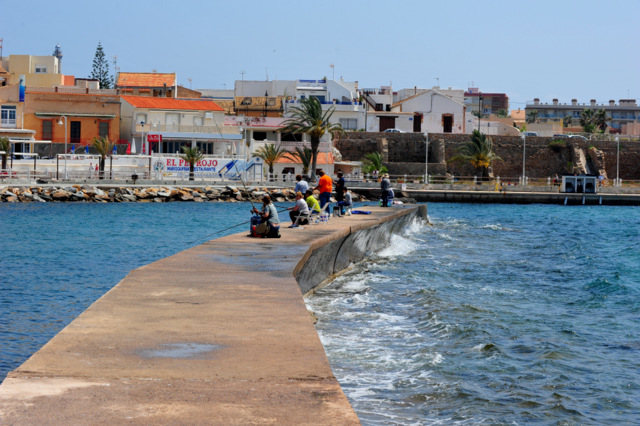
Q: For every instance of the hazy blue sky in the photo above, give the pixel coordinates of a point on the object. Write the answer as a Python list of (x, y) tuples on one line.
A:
[(548, 49)]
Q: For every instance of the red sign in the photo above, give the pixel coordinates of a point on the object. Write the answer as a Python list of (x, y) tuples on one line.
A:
[(154, 138)]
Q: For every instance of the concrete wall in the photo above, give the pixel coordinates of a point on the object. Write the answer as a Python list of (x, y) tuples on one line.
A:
[(328, 258)]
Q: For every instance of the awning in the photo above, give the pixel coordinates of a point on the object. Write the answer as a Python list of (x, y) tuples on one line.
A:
[(73, 114)]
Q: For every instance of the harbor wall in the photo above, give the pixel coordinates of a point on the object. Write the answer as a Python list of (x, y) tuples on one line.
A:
[(215, 334)]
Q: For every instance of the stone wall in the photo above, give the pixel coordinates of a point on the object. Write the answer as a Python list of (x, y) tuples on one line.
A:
[(404, 154)]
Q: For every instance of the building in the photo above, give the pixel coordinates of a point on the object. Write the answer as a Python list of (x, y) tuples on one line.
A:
[(487, 103), (432, 112), (56, 115), (38, 71), (624, 116), (153, 84), (167, 124)]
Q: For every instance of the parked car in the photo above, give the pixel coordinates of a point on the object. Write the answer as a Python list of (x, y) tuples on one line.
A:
[(578, 137), (393, 131), (530, 134)]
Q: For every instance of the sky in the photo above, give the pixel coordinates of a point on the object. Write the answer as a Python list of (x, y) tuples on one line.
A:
[(537, 49)]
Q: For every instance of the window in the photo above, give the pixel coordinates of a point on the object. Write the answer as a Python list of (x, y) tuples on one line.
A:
[(141, 118), (259, 136), (349, 123), (197, 121), (75, 132), (103, 129), (8, 116), (271, 101), (41, 69), (47, 130), (246, 101), (172, 119)]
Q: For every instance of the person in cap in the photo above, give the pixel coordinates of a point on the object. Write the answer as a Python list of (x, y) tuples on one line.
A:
[(385, 186)]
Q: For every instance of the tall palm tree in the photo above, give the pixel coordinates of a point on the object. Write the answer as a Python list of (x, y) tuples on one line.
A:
[(302, 155), (587, 120), (309, 118), (478, 152), (532, 117), (104, 148), (600, 119), (5, 146), (270, 153), (192, 156), (373, 161)]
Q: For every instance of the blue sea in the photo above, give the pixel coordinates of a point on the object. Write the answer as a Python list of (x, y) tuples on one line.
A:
[(495, 314)]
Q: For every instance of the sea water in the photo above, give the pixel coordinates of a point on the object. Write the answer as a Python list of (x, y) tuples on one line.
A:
[(496, 314)]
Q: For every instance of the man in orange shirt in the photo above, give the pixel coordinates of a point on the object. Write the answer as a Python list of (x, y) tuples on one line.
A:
[(325, 186)]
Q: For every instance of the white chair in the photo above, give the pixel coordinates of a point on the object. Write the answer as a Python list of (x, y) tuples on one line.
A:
[(301, 217)]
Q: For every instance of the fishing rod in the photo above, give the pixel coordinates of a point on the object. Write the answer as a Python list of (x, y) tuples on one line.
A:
[(226, 229), (243, 185)]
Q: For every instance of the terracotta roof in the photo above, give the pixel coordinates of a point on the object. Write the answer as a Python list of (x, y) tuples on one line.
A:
[(323, 158), (146, 79), (171, 103)]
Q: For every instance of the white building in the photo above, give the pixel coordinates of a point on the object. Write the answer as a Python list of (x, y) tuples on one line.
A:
[(432, 111)]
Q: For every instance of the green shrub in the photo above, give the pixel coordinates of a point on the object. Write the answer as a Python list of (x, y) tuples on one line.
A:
[(557, 145)]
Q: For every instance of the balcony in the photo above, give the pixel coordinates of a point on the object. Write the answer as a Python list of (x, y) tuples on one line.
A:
[(8, 123)]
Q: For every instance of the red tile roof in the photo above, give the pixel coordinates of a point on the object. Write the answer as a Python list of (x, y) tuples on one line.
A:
[(146, 79), (172, 103)]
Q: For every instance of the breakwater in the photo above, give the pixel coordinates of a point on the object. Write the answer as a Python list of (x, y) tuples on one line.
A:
[(218, 333)]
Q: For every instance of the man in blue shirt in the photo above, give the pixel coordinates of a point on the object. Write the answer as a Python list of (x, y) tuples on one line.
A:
[(301, 186)]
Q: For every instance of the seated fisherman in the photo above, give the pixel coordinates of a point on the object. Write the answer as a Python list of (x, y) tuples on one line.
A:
[(347, 201), (314, 205), (300, 209), (269, 215)]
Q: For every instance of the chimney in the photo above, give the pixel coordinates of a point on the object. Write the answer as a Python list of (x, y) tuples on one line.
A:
[(574, 102), (612, 102), (555, 102), (593, 102), (536, 101)]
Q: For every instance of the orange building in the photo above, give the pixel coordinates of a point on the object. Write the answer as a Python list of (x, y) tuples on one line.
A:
[(154, 84), (75, 113)]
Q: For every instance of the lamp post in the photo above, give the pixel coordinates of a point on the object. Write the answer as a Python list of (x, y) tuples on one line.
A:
[(426, 158), (524, 150), (618, 162), (66, 176)]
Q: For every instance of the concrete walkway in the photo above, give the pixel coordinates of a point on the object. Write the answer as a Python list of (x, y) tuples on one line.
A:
[(216, 334)]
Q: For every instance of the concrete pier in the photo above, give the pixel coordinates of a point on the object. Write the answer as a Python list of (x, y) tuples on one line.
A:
[(216, 334)]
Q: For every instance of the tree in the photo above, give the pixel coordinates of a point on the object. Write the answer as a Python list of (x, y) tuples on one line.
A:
[(270, 153), (532, 117), (600, 119), (502, 113), (192, 156), (587, 120), (100, 70), (309, 118), (5, 146), (302, 155), (373, 161), (478, 152), (567, 121), (104, 148)]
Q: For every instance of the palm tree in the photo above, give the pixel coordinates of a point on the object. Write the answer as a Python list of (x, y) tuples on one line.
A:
[(302, 155), (191, 156), (310, 119), (600, 120), (104, 148), (587, 120), (270, 154), (567, 121), (478, 152), (532, 117), (5, 146), (373, 161)]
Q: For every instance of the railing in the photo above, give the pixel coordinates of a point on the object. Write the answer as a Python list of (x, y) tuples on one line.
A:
[(187, 128), (8, 123), (72, 90)]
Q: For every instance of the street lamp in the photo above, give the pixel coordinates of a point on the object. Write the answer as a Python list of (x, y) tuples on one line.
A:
[(524, 149), (66, 176), (426, 159), (618, 162)]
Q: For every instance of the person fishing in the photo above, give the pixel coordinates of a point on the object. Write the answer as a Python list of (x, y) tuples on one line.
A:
[(268, 216), (300, 209), (385, 186)]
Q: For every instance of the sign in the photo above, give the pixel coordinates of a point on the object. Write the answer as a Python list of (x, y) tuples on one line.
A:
[(154, 138)]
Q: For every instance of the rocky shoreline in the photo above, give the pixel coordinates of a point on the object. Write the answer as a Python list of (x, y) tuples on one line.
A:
[(96, 194)]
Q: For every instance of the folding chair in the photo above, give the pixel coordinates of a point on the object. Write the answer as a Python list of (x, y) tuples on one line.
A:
[(301, 217)]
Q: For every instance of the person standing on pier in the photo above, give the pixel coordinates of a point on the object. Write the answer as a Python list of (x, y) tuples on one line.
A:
[(325, 187), (385, 185)]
